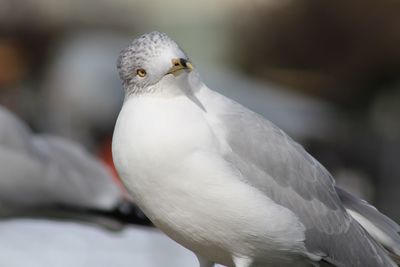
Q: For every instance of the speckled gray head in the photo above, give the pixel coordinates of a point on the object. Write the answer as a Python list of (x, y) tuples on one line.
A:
[(149, 59)]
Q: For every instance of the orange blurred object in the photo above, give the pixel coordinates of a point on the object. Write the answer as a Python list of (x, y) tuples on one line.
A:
[(12, 63)]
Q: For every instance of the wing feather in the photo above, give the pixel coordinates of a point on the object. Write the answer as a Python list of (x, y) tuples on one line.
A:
[(271, 161)]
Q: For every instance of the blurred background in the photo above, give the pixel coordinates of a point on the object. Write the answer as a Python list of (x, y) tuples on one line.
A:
[(327, 73)]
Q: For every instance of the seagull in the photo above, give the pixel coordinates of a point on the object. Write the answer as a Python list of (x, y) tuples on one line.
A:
[(225, 182), (42, 175)]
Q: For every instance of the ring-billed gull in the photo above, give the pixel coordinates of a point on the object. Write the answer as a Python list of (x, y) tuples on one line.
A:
[(225, 182)]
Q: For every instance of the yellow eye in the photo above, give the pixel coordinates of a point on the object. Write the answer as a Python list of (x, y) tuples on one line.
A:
[(141, 72)]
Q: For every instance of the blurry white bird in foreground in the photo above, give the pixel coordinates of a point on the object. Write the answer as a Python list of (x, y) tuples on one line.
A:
[(228, 184), (40, 172)]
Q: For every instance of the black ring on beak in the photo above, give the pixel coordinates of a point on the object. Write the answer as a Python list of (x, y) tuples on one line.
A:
[(183, 62)]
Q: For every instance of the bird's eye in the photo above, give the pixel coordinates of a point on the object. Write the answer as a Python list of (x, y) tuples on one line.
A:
[(141, 72)]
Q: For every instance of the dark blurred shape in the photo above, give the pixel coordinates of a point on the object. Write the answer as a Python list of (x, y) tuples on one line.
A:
[(23, 56), (126, 212), (339, 50), (123, 213)]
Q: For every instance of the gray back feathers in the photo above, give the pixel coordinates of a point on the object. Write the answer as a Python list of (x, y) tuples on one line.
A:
[(272, 162)]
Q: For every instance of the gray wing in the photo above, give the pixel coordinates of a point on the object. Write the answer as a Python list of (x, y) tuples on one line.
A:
[(283, 170), (39, 170)]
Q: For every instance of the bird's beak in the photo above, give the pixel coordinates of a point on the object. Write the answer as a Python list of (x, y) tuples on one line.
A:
[(179, 65)]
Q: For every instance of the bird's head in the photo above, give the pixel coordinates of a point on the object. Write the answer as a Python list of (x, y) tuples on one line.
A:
[(151, 60)]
